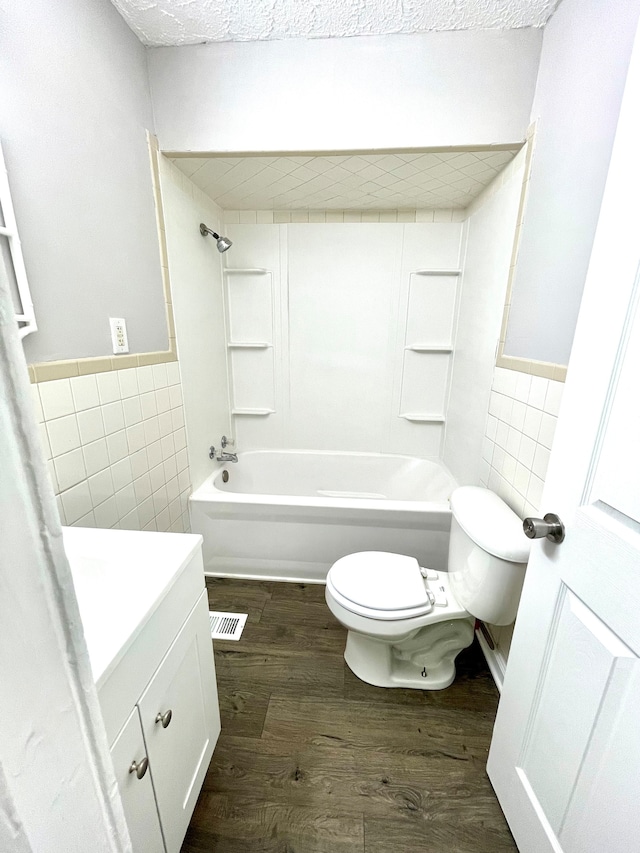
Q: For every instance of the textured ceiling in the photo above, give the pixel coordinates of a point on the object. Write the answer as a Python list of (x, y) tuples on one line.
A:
[(448, 179), (177, 22)]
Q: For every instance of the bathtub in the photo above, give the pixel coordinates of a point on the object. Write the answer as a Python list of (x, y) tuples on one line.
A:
[(289, 515)]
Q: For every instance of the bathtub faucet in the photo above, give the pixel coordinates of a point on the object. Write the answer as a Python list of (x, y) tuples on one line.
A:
[(223, 455)]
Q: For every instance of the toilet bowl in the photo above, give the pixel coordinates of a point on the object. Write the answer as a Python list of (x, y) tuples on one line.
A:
[(406, 623)]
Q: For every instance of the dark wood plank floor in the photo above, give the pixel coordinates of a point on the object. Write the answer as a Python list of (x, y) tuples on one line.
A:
[(312, 760)]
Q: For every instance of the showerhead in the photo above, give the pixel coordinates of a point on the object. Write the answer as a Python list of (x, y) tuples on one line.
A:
[(223, 243)]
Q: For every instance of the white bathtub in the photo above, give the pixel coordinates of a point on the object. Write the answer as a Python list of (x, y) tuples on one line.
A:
[(289, 515)]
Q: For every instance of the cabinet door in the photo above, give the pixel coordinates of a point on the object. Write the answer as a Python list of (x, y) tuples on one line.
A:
[(137, 794), (179, 753)]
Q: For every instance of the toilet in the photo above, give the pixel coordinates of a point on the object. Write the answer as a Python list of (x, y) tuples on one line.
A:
[(406, 623)]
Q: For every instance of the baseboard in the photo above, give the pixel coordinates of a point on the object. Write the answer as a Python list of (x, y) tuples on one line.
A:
[(262, 576), (494, 661)]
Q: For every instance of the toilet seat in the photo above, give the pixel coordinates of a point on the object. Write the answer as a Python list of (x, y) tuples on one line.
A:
[(379, 585)]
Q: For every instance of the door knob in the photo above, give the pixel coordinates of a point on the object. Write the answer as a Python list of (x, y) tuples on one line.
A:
[(550, 527), (139, 767), (165, 718)]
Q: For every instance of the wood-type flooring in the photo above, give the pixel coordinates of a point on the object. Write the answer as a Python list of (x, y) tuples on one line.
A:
[(313, 760)]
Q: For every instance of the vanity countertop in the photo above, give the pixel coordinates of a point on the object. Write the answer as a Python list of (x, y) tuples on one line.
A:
[(121, 577)]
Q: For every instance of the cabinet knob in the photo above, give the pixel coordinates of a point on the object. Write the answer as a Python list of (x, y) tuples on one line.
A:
[(165, 718), (139, 767)]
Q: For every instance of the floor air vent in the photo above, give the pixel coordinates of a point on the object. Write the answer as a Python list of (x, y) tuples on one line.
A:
[(226, 626)]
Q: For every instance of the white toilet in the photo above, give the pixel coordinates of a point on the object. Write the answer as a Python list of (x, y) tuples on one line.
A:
[(407, 624)]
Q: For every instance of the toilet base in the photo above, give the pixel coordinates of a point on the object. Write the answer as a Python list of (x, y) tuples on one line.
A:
[(423, 661)]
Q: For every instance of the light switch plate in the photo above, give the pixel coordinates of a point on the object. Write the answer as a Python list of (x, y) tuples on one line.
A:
[(119, 334)]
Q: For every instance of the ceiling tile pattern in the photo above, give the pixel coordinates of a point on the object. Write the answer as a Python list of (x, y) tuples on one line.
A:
[(179, 22), (449, 179)]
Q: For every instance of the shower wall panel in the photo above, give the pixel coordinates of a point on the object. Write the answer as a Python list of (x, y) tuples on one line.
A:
[(255, 298), (355, 321), (341, 298), (198, 307), (489, 243), (250, 302)]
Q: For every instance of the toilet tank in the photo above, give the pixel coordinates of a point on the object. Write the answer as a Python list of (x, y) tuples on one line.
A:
[(488, 555)]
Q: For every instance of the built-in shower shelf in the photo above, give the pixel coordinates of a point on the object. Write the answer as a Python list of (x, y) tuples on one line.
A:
[(248, 345), (245, 271), (428, 348), (436, 272), (255, 413), (423, 419)]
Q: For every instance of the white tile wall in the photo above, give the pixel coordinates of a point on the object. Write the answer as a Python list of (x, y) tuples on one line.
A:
[(270, 217), (521, 423), (116, 447)]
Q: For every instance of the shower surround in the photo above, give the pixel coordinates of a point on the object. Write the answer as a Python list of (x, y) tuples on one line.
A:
[(340, 336)]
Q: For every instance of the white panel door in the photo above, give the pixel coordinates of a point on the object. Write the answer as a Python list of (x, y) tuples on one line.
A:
[(179, 752), (138, 800), (565, 755)]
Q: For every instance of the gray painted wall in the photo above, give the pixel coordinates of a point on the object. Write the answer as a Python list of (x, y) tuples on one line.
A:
[(583, 68), (74, 106), (434, 89)]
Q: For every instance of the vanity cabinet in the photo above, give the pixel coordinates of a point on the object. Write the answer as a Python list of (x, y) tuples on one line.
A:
[(173, 728), (136, 789), (145, 612), (180, 747)]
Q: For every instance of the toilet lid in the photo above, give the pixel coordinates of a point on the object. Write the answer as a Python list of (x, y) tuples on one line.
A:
[(379, 581)]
